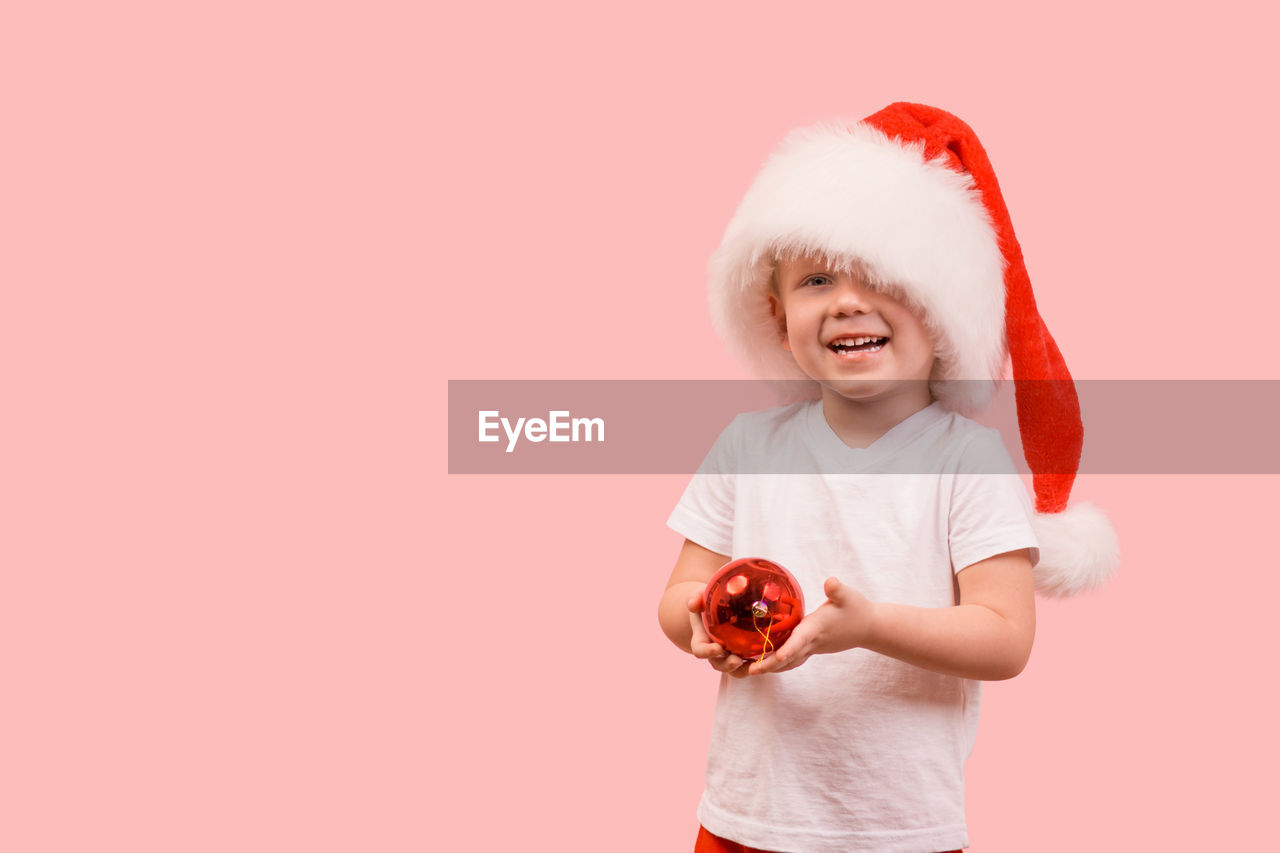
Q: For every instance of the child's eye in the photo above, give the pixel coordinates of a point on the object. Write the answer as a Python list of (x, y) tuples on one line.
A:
[(817, 280)]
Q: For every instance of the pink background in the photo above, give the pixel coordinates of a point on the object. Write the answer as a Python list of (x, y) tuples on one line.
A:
[(245, 607)]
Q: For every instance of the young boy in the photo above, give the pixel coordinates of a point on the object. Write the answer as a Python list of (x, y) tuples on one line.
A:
[(876, 263)]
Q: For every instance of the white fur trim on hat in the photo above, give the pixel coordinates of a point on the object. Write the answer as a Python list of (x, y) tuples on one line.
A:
[(1078, 550), (919, 227)]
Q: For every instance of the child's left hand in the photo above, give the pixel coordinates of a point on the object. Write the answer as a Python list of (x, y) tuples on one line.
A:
[(842, 622)]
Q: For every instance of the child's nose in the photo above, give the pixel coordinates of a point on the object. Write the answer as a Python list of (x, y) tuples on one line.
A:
[(850, 297)]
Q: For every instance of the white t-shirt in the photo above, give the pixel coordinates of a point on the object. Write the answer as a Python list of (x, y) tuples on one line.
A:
[(856, 750)]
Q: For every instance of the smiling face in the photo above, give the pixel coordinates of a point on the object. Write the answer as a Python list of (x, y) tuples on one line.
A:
[(858, 343)]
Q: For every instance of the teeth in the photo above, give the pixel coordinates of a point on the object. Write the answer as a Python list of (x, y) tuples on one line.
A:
[(854, 342)]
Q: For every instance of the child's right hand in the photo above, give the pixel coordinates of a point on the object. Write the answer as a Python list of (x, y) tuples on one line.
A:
[(704, 647)]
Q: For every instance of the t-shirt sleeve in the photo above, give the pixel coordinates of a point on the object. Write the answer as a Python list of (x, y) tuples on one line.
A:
[(990, 509), (704, 513)]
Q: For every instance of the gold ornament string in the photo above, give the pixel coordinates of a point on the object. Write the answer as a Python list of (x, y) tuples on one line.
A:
[(755, 623)]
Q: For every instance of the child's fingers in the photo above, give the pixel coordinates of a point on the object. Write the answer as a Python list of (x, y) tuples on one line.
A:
[(834, 590), (729, 663), (716, 655), (699, 630), (707, 651), (790, 656), (764, 666), (775, 664)]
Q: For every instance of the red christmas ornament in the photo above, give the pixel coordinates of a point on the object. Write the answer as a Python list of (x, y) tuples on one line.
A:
[(751, 606)]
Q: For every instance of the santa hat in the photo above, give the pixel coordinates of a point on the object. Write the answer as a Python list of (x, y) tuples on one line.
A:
[(910, 195)]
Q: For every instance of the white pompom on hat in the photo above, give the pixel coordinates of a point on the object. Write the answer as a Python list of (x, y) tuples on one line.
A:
[(909, 194)]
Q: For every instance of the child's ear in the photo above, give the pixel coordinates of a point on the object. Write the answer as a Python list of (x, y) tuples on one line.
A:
[(779, 319)]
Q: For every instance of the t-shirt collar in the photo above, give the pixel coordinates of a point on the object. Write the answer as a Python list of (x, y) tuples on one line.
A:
[(901, 434)]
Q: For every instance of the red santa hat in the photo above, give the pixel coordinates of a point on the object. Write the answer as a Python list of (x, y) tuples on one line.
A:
[(910, 196)]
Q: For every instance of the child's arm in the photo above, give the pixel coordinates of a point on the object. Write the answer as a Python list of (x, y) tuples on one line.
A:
[(986, 636), (681, 605)]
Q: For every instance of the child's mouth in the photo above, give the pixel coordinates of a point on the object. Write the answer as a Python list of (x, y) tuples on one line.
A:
[(861, 343)]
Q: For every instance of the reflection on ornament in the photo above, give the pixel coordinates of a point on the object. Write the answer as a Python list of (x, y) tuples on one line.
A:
[(751, 606)]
